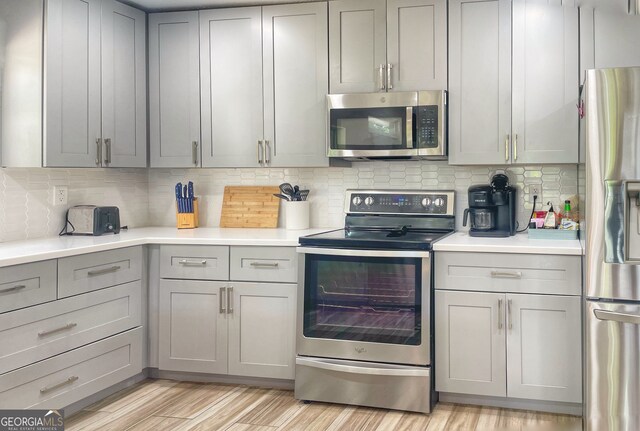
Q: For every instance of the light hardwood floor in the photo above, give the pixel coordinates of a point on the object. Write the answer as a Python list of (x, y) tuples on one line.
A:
[(164, 405)]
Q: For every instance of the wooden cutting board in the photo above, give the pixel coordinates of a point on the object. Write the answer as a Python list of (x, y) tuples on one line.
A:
[(250, 206)]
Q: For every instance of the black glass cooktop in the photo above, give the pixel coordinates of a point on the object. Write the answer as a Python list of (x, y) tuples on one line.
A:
[(392, 238)]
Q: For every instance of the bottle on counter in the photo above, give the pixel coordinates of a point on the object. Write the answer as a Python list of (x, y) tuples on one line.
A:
[(568, 221), (550, 219)]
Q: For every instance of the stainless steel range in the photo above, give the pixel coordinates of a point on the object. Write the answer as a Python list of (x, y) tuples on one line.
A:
[(365, 301)]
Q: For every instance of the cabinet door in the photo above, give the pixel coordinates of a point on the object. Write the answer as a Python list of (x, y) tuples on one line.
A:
[(192, 328), (72, 83), (231, 85), (124, 85), (174, 90), (470, 343), (545, 82), (296, 82), (479, 81), (357, 46), (417, 44), (262, 322), (544, 348)]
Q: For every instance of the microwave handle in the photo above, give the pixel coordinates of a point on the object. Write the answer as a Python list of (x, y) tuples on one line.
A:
[(409, 128)]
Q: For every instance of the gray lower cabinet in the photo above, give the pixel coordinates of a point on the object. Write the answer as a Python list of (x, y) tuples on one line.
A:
[(174, 90), (513, 94), (387, 45), (26, 285), (95, 86)]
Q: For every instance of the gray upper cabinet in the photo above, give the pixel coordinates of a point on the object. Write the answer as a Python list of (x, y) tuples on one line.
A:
[(519, 109), (295, 73), (72, 84), (124, 86), (479, 81), (231, 86), (95, 86), (174, 89), (392, 45)]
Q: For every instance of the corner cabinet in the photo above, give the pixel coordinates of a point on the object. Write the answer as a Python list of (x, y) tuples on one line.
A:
[(95, 88), (513, 93), (387, 45), (499, 330), (174, 90)]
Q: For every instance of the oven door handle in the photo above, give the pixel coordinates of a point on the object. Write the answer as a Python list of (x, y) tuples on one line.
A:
[(365, 253), (332, 366)]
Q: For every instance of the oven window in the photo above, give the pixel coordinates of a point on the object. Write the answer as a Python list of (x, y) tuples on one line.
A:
[(369, 129), (363, 299)]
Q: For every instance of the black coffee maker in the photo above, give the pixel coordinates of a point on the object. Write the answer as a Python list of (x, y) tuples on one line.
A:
[(492, 208)]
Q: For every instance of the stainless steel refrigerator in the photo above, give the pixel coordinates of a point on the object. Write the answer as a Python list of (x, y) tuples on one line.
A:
[(612, 262)]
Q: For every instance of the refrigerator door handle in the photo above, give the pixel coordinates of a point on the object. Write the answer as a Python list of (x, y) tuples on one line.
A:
[(617, 317)]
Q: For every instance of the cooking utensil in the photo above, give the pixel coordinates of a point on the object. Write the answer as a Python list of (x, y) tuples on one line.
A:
[(303, 194), (287, 190), (281, 196), (179, 197)]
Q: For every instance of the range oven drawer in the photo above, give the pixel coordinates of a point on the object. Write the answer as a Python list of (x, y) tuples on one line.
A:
[(364, 384)]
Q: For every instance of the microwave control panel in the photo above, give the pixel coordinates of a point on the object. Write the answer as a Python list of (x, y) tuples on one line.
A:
[(427, 126)]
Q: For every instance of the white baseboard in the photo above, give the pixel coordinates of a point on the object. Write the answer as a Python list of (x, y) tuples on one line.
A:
[(513, 403)]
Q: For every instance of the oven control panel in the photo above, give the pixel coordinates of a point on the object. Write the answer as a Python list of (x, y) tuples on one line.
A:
[(400, 202)]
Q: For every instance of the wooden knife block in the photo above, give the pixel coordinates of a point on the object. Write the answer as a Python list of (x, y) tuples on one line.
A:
[(187, 220)]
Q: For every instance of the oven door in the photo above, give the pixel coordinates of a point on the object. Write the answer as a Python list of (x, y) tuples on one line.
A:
[(366, 305), (372, 125)]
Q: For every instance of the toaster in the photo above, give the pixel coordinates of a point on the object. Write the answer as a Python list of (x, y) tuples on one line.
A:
[(93, 220)]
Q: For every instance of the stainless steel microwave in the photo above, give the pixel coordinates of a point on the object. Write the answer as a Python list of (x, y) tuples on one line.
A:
[(403, 125)]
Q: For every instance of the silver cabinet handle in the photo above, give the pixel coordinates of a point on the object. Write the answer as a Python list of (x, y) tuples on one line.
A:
[(222, 300), (103, 271), (264, 264), (505, 274), (60, 329), (107, 146), (230, 299), (409, 127), (509, 313), (500, 325), (267, 152), (389, 85), (515, 147), (187, 262), (617, 317), (194, 152), (260, 152), (14, 288), (98, 151), (58, 385), (506, 148), (381, 85)]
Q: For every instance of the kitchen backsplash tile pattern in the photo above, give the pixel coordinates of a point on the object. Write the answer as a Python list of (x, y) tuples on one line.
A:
[(327, 185), (146, 196), (26, 198)]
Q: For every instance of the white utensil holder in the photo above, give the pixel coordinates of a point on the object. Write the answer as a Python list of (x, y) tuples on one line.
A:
[(296, 215)]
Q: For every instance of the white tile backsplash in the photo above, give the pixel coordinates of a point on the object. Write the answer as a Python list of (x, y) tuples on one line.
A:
[(146, 196)]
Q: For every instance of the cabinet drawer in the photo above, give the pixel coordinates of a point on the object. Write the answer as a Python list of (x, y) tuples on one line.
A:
[(88, 272), (499, 272), (64, 379), (25, 285), (45, 330), (276, 264), (201, 262)]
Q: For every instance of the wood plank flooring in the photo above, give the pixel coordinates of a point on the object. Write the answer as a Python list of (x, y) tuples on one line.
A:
[(164, 405)]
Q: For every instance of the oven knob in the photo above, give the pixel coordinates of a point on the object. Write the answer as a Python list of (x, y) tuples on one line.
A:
[(438, 202), (356, 200), (368, 201), (426, 202)]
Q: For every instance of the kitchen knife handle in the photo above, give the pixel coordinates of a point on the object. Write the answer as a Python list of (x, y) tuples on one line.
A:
[(107, 146)]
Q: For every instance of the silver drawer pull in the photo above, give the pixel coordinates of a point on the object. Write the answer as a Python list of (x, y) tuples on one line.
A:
[(58, 385), (188, 262), (14, 288), (264, 264), (103, 271), (53, 331), (230, 299), (503, 274)]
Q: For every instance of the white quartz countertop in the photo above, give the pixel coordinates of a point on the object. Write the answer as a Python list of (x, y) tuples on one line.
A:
[(17, 252), (519, 243)]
